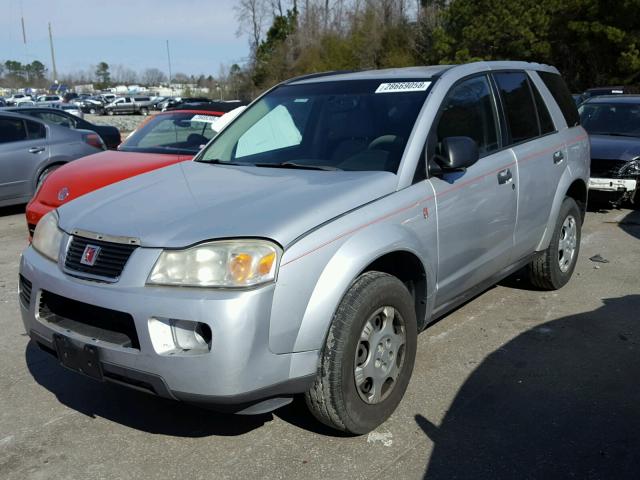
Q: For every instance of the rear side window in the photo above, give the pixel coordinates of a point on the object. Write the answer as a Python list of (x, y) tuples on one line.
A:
[(12, 130), (546, 124), (35, 130), (468, 112), (518, 105), (562, 96)]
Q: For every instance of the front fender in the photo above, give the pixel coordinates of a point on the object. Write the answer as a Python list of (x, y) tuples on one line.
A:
[(310, 288)]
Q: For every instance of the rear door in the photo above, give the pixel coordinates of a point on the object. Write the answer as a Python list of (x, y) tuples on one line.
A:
[(476, 209), (540, 154), (23, 149)]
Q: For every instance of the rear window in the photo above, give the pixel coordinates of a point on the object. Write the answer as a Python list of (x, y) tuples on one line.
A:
[(518, 105), (562, 96)]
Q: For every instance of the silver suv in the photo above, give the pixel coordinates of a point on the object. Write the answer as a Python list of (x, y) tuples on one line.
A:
[(307, 245)]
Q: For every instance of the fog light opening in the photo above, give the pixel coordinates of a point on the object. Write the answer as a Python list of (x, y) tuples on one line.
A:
[(172, 336)]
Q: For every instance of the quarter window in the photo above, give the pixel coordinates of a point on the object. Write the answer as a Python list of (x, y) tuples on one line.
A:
[(562, 96), (468, 112), (518, 105)]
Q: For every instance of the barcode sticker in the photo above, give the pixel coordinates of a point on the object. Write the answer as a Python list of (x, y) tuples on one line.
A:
[(397, 87)]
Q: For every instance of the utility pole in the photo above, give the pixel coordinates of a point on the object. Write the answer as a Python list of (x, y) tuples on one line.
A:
[(169, 60), (53, 56)]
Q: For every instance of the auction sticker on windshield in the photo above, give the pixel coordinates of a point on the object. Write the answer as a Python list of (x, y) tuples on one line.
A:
[(402, 87), (204, 118)]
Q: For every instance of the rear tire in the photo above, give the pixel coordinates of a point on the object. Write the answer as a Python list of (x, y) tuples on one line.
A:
[(368, 356), (552, 268), (44, 174)]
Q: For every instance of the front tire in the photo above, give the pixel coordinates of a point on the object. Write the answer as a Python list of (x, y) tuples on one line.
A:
[(109, 112), (552, 268), (368, 356)]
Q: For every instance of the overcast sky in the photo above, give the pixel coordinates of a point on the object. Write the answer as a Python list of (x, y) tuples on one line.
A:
[(201, 33)]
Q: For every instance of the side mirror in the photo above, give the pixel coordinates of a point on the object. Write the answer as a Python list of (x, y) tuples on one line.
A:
[(457, 153)]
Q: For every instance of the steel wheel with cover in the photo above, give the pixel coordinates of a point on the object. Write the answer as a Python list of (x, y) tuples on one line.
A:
[(368, 356), (552, 268)]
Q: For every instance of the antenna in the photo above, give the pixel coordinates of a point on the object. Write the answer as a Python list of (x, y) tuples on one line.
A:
[(169, 59), (53, 56)]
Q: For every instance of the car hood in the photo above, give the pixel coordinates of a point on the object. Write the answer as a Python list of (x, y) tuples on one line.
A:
[(192, 202), (609, 147), (98, 170)]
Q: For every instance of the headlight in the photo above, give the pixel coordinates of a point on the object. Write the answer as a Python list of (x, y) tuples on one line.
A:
[(47, 237), (631, 168), (225, 263)]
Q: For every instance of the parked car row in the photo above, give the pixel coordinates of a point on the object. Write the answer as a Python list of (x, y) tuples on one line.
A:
[(310, 240)]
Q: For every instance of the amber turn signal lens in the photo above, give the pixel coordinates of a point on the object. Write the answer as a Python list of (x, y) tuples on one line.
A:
[(265, 264)]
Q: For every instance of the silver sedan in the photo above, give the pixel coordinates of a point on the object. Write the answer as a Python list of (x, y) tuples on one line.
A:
[(31, 149)]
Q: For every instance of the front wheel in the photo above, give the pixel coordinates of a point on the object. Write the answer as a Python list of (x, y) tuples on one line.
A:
[(44, 174), (144, 111), (552, 268), (368, 356)]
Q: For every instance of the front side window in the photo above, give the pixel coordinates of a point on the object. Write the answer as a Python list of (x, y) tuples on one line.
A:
[(621, 119), (12, 130), (356, 125), (518, 105), (468, 111)]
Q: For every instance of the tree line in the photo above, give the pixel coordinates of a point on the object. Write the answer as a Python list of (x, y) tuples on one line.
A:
[(592, 42)]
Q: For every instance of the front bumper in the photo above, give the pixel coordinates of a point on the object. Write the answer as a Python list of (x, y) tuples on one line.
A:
[(238, 372), (612, 184)]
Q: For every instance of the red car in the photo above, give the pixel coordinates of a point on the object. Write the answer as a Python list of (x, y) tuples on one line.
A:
[(164, 139)]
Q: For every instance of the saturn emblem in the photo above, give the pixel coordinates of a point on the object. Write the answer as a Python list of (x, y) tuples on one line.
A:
[(63, 193)]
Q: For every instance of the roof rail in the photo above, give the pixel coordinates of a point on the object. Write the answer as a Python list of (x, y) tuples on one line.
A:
[(316, 75)]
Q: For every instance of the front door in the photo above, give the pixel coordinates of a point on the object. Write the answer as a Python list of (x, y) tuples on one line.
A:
[(22, 148), (476, 208)]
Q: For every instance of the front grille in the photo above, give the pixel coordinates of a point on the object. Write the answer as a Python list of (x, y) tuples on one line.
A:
[(25, 291), (110, 260), (89, 320), (606, 168)]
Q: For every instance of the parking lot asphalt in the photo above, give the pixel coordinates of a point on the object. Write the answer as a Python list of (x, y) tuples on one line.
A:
[(516, 383)]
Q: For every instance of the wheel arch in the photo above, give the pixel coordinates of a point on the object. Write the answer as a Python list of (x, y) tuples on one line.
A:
[(569, 186), (391, 249)]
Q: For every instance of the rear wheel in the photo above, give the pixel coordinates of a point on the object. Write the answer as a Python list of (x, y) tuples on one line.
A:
[(368, 356), (44, 174), (552, 268)]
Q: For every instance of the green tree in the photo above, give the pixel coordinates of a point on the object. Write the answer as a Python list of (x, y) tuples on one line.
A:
[(103, 75)]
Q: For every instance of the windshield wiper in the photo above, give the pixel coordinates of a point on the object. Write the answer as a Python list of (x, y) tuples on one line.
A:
[(217, 161), (301, 166), (617, 134)]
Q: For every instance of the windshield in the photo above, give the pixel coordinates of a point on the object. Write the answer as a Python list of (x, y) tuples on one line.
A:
[(611, 118), (348, 125), (176, 133)]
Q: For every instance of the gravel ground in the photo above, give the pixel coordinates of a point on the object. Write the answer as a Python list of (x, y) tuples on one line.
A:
[(516, 384), (125, 123)]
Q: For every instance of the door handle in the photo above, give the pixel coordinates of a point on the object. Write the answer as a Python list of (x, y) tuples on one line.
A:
[(36, 149), (504, 176), (558, 157)]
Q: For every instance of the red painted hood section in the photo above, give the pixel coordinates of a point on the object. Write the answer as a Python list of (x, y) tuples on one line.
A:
[(96, 171)]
